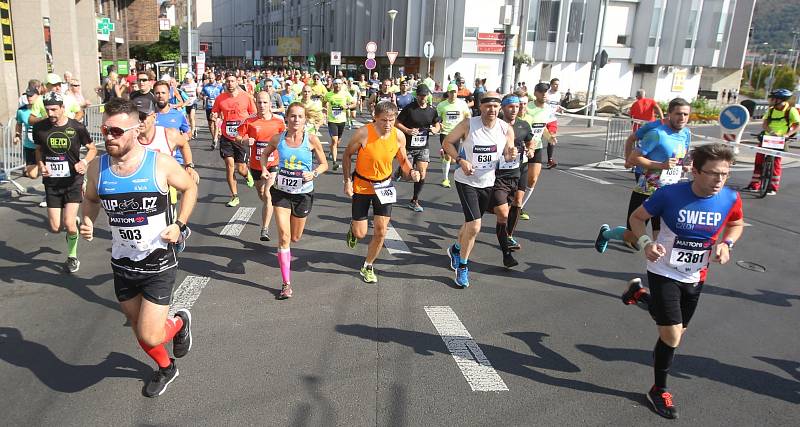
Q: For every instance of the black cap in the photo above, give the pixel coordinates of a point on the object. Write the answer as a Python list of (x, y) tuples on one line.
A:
[(144, 104), (52, 98), (423, 90), (31, 91)]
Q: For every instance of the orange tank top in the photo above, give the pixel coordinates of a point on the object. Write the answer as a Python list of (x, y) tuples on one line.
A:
[(374, 160)]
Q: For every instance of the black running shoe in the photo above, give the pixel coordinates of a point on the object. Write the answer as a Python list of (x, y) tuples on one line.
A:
[(161, 378), (264, 235), (72, 265), (661, 400), (634, 293), (182, 341), (509, 261)]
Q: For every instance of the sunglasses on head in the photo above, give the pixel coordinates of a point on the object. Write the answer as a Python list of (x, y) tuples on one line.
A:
[(114, 131)]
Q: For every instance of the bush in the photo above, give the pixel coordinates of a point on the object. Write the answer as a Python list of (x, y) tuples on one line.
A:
[(702, 111)]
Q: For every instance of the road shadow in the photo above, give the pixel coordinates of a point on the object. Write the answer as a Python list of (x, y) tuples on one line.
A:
[(61, 376), (791, 367), (520, 364), (687, 366), (765, 296), (28, 269)]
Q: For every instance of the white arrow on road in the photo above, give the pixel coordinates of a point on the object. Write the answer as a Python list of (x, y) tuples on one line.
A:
[(735, 120)]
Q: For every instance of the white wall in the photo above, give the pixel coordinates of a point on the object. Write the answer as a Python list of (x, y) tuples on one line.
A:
[(615, 78), (664, 85)]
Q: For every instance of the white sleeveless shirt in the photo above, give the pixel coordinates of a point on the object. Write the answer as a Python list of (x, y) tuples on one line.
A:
[(482, 147), (159, 143)]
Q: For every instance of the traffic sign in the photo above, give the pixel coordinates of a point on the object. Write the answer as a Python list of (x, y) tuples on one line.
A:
[(370, 55), (336, 58), (392, 56), (733, 117), (427, 50), (370, 64), (372, 47)]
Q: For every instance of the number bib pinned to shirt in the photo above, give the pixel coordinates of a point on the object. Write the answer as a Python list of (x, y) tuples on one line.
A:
[(671, 176), (452, 116), (689, 255), (59, 169), (420, 140), (337, 111), (385, 191), (290, 181), (232, 128), (484, 156)]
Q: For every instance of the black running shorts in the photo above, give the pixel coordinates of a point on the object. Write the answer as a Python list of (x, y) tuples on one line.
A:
[(636, 200), (300, 204), (672, 302), (228, 148), (474, 201), (503, 191), (362, 202), (154, 287), (335, 129), (57, 196)]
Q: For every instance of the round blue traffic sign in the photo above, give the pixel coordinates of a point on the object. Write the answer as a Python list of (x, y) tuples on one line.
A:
[(370, 64), (733, 117)]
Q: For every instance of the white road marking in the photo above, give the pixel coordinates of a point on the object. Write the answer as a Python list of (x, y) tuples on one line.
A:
[(586, 177), (187, 293), (394, 243), (237, 222), (469, 357), (587, 135)]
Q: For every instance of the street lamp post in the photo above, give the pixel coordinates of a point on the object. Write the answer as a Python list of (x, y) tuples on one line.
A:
[(244, 50), (771, 82), (392, 14)]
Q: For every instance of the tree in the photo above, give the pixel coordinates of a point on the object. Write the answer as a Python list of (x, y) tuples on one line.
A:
[(785, 78), (167, 48), (520, 58)]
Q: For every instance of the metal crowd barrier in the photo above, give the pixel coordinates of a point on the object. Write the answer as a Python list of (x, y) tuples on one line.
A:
[(617, 132), (92, 120), (12, 156)]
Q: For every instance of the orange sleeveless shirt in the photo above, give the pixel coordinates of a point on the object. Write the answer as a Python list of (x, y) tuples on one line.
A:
[(374, 160)]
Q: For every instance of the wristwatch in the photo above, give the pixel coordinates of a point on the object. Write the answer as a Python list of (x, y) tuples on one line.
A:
[(188, 165), (181, 225), (316, 174), (729, 242)]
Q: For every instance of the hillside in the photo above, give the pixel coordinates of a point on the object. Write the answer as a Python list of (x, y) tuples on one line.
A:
[(774, 21)]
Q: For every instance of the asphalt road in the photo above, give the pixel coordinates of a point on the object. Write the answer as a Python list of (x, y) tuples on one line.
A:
[(342, 352)]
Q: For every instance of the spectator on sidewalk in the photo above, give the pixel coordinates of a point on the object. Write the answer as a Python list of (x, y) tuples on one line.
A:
[(724, 95)]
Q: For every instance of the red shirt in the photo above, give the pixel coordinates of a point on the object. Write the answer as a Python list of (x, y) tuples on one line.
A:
[(262, 130), (233, 110), (644, 109)]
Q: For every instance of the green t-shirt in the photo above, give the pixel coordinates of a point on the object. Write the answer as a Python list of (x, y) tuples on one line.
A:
[(538, 118), (452, 114), (71, 107), (337, 104)]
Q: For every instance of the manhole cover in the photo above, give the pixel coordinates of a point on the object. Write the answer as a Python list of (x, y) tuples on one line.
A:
[(748, 265)]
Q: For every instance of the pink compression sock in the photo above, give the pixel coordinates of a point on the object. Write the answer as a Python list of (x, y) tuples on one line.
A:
[(285, 262)]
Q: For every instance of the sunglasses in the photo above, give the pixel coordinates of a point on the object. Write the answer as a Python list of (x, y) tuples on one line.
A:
[(75, 85), (144, 80), (114, 131)]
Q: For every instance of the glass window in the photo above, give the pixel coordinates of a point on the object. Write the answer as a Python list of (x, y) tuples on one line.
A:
[(655, 23), (532, 17), (548, 20), (576, 21)]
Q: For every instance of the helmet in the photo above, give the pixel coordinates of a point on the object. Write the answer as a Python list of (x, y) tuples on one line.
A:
[(783, 94)]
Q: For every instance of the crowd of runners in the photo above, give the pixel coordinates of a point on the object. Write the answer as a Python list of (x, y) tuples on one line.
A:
[(267, 127)]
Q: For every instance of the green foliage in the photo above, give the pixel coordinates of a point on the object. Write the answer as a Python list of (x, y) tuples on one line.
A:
[(522, 58), (785, 78), (773, 22), (167, 48)]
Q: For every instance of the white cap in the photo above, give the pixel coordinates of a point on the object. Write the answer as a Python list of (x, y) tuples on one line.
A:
[(166, 77), (337, 81)]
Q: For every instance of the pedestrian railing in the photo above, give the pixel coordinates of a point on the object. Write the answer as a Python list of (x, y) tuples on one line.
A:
[(617, 132), (92, 120), (12, 156)]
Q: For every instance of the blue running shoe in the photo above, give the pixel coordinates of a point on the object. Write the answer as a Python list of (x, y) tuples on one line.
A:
[(462, 277), (455, 257), (601, 243)]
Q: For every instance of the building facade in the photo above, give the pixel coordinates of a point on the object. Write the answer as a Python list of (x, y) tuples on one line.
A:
[(657, 45)]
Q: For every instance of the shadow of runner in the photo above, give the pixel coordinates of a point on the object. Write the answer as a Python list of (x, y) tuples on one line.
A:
[(686, 366), (32, 270), (504, 360), (60, 376)]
